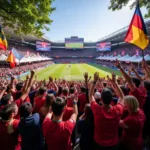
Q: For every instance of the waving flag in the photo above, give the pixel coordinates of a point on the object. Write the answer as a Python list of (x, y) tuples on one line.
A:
[(3, 41), (137, 33), (11, 59), (17, 54)]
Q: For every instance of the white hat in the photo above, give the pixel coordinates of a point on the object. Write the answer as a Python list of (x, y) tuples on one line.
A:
[(97, 95)]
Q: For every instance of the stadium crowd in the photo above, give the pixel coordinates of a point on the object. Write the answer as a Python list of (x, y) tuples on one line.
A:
[(6, 71), (112, 114)]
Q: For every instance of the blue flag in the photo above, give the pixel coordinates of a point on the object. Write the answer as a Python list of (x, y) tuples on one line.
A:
[(17, 54)]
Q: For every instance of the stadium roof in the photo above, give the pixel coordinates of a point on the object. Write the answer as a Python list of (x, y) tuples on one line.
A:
[(119, 35), (22, 38)]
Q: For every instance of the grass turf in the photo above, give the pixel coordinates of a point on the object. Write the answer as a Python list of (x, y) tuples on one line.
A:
[(73, 71)]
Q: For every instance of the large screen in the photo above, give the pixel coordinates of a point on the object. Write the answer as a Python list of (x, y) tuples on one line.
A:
[(105, 46), (74, 43), (43, 46)]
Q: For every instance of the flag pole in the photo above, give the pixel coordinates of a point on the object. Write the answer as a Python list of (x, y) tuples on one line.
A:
[(143, 54)]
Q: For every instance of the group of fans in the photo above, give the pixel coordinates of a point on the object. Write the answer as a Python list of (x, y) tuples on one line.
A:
[(107, 114)]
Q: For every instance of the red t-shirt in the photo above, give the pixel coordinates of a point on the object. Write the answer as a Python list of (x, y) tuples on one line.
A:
[(132, 137), (67, 113), (58, 134), (9, 137), (140, 95), (69, 102), (82, 102), (106, 121), (38, 103)]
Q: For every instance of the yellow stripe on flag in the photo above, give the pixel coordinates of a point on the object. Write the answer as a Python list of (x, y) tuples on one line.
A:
[(139, 38)]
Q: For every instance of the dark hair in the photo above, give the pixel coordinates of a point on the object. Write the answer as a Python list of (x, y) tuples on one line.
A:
[(83, 89), (42, 90), (104, 84), (58, 106), (18, 94), (49, 100), (124, 90), (60, 90), (136, 81), (147, 85), (19, 86), (106, 96), (5, 99), (65, 91), (71, 90), (7, 111), (25, 110)]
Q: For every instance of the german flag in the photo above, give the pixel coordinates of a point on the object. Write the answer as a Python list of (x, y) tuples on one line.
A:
[(3, 41), (11, 60), (137, 33)]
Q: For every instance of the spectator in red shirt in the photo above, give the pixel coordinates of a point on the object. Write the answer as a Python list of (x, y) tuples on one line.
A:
[(48, 103), (106, 117), (57, 132), (70, 97), (39, 101), (9, 136), (133, 84), (82, 100), (132, 126)]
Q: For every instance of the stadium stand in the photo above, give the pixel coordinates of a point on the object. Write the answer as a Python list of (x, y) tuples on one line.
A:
[(111, 113)]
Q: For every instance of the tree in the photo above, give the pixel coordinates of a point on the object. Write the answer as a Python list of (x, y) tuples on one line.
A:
[(26, 16), (119, 4)]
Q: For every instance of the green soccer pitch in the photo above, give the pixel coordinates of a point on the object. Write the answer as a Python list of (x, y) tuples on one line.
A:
[(73, 71)]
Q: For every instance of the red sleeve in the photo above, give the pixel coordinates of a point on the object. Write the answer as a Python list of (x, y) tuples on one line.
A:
[(119, 108), (129, 122), (18, 102), (45, 125), (140, 97), (94, 106), (70, 124)]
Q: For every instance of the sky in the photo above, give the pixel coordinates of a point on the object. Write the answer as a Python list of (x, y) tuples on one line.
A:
[(88, 19)]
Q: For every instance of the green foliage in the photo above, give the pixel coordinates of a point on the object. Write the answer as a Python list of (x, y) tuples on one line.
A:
[(26, 16), (119, 4)]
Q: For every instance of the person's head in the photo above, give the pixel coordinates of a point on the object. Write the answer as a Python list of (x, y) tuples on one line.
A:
[(18, 94), (49, 100), (136, 81), (71, 90), (87, 109), (9, 112), (42, 91), (106, 96), (97, 96), (58, 106), (19, 86), (89, 118), (83, 89), (60, 90), (125, 90), (147, 86), (131, 103), (25, 110), (6, 99), (65, 91)]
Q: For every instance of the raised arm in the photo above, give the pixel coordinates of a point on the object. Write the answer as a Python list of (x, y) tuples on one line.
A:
[(87, 79), (27, 90), (96, 78), (126, 76), (136, 73), (3, 89), (75, 108), (117, 89)]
